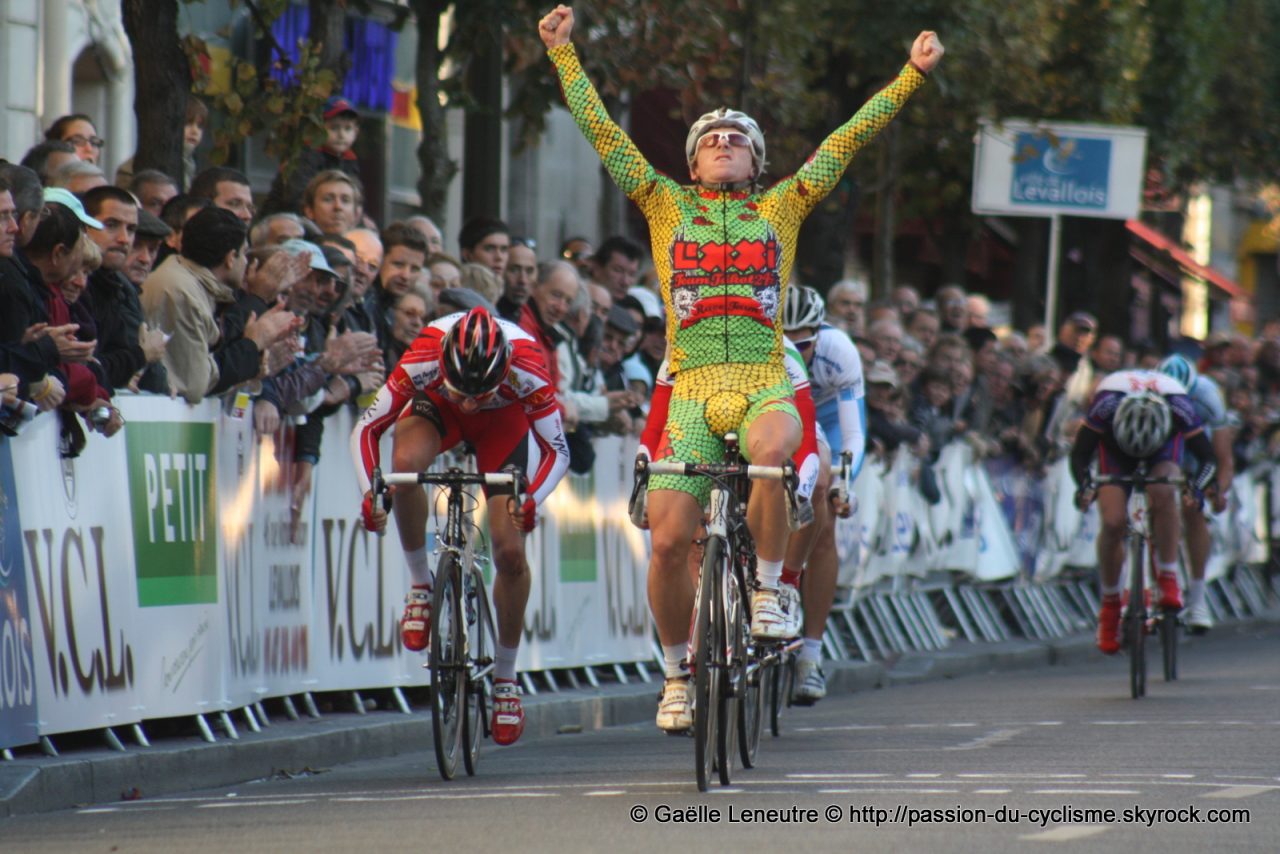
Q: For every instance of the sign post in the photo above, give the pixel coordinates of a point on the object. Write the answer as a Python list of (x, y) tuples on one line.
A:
[(1024, 168)]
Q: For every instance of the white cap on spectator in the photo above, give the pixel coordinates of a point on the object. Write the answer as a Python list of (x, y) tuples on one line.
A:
[(297, 247), (648, 300), (68, 199), (881, 373)]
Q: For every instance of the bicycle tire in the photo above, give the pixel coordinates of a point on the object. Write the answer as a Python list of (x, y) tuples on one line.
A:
[(448, 660), (1135, 622), (751, 715), (1169, 643), (481, 647), (773, 690), (709, 636), (733, 674)]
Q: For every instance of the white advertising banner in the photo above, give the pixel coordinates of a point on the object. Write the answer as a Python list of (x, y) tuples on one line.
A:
[(167, 461), (91, 648)]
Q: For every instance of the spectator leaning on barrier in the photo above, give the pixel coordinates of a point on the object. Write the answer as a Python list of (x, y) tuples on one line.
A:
[(923, 326), (184, 296), (368, 252), (125, 344), (29, 349)]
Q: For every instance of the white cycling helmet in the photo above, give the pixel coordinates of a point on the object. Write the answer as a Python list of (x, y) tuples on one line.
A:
[(804, 308), (727, 118), (1141, 424)]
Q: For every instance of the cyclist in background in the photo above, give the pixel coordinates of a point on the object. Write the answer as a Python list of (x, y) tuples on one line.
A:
[(1206, 397), (478, 379), (1137, 416), (836, 382)]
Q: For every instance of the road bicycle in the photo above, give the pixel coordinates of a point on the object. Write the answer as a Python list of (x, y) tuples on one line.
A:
[(462, 639), (1137, 622), (729, 668)]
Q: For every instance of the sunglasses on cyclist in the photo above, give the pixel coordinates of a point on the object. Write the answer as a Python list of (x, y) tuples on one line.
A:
[(713, 138), (804, 343)]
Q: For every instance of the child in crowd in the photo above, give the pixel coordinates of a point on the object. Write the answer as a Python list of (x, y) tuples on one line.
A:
[(342, 128)]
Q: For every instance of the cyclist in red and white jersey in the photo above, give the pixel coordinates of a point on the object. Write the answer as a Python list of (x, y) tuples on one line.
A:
[(1137, 416), (475, 378)]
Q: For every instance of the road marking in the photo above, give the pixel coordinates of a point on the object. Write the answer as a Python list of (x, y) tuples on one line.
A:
[(995, 737), (1084, 792), (834, 776), (992, 791), (924, 775), (443, 796), (1241, 792), (1022, 776), (605, 793), (1066, 833), (845, 728), (238, 803), (728, 791)]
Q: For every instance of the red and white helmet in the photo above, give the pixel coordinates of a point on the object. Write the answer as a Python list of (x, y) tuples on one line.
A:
[(475, 354)]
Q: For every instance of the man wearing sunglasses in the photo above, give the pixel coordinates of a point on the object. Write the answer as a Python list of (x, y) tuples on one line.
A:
[(733, 242), (478, 379)]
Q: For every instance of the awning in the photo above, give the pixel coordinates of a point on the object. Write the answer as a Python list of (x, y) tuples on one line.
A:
[(1184, 259)]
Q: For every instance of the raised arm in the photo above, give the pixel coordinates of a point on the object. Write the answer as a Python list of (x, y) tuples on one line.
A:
[(627, 166), (820, 173)]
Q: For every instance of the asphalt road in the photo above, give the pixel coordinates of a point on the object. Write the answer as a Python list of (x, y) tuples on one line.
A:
[(949, 765)]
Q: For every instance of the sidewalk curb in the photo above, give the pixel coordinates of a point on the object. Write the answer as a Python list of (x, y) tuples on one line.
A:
[(45, 784)]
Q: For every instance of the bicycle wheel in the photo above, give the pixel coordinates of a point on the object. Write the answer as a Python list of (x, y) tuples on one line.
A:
[(1169, 642), (481, 645), (709, 637), (734, 673), (751, 715), (448, 667), (1135, 622)]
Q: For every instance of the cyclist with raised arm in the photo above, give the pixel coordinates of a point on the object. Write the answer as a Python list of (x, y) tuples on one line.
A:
[(723, 247), (469, 377), (1137, 416), (835, 380), (1207, 400)]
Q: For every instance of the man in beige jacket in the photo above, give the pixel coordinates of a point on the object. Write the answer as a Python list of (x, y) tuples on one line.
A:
[(184, 297)]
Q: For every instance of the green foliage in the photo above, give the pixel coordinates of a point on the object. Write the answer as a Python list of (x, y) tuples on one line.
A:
[(256, 103)]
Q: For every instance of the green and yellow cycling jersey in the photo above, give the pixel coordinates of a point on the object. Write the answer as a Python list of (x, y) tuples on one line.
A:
[(723, 257)]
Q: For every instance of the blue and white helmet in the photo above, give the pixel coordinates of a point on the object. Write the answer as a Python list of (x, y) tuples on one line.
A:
[(1179, 368)]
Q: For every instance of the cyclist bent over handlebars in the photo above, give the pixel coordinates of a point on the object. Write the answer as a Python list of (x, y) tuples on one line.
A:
[(1137, 416), (479, 379)]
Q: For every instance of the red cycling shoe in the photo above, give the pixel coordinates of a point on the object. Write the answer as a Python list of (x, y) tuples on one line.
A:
[(508, 712), (1109, 627), (415, 625), (1170, 594)]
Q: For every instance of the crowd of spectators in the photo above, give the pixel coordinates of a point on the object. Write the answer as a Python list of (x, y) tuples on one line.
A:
[(177, 285)]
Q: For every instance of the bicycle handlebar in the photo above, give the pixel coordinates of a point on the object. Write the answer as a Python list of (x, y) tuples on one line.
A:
[(719, 470), (1123, 479), (512, 477)]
